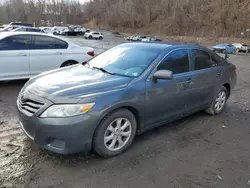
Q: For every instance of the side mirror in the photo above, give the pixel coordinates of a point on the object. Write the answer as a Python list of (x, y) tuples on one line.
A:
[(163, 75)]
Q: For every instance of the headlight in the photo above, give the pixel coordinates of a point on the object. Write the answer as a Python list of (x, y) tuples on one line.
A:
[(67, 110)]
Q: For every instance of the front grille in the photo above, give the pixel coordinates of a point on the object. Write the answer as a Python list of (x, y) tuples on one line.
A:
[(28, 106)]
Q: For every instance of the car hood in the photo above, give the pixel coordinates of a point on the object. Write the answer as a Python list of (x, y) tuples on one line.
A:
[(70, 84)]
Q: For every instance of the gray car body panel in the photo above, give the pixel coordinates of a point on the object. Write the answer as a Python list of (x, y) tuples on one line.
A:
[(153, 103)]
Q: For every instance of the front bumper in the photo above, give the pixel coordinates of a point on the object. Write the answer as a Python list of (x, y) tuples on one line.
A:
[(60, 135)]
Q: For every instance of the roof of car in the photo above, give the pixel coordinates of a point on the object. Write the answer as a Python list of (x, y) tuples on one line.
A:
[(160, 44), (9, 33)]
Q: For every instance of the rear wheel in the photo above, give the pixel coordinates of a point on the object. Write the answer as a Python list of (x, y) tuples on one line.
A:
[(218, 104), (100, 38), (90, 37), (115, 133), (68, 63)]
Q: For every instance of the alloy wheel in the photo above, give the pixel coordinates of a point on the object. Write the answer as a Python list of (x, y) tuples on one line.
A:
[(117, 134), (220, 101)]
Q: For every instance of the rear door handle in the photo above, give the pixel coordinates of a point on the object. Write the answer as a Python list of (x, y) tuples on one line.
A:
[(219, 73), (22, 54), (58, 53)]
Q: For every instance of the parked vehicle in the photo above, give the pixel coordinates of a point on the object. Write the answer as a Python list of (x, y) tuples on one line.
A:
[(129, 38), (20, 24), (8, 28), (122, 92), (224, 48), (93, 35), (26, 54), (45, 29), (148, 39), (55, 30), (240, 47), (28, 29), (138, 38)]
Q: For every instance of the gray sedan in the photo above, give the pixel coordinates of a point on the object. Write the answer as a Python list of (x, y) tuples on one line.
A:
[(127, 90)]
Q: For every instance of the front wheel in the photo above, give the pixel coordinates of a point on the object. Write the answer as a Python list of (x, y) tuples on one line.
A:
[(218, 104), (115, 133)]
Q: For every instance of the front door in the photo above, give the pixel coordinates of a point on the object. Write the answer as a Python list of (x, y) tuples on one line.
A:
[(14, 57), (167, 99)]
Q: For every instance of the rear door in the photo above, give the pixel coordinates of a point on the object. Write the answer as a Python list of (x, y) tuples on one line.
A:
[(47, 53), (14, 57), (207, 75)]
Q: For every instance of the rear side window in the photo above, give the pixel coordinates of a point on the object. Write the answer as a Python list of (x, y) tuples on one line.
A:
[(43, 42), (177, 62), (202, 60), (17, 42)]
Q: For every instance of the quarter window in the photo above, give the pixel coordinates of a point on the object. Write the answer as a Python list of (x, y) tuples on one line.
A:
[(202, 60), (59, 44), (177, 62), (17, 42)]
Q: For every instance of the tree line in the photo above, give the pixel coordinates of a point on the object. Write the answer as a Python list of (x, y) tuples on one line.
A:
[(168, 17)]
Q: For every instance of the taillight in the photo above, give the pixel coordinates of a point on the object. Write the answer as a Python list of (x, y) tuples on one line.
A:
[(235, 69), (92, 53)]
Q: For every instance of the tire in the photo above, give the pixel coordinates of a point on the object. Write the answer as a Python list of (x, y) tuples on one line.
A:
[(112, 146), (100, 38), (213, 108), (90, 37), (68, 63), (54, 33)]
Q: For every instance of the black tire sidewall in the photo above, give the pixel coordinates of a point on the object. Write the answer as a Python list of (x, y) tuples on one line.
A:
[(98, 142), (66, 63), (226, 92)]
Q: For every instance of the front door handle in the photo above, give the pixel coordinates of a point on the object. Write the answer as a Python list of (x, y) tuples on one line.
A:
[(219, 73), (58, 53), (189, 81)]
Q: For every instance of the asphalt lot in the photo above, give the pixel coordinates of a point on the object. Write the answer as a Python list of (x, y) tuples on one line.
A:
[(195, 152)]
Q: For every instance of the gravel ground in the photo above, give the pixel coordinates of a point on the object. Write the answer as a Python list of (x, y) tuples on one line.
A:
[(195, 152)]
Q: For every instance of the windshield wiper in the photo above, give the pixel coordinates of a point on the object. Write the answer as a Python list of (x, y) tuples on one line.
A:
[(103, 70)]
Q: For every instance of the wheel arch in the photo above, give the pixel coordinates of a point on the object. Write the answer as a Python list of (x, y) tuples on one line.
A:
[(67, 61), (134, 110), (228, 87)]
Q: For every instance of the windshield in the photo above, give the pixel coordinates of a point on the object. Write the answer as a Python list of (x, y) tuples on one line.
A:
[(128, 61)]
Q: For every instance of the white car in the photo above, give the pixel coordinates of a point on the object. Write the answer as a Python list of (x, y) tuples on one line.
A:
[(93, 35), (26, 54), (55, 30), (241, 47)]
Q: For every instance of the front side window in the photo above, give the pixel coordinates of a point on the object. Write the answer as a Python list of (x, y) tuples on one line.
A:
[(130, 61), (202, 59), (177, 62), (17, 42)]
